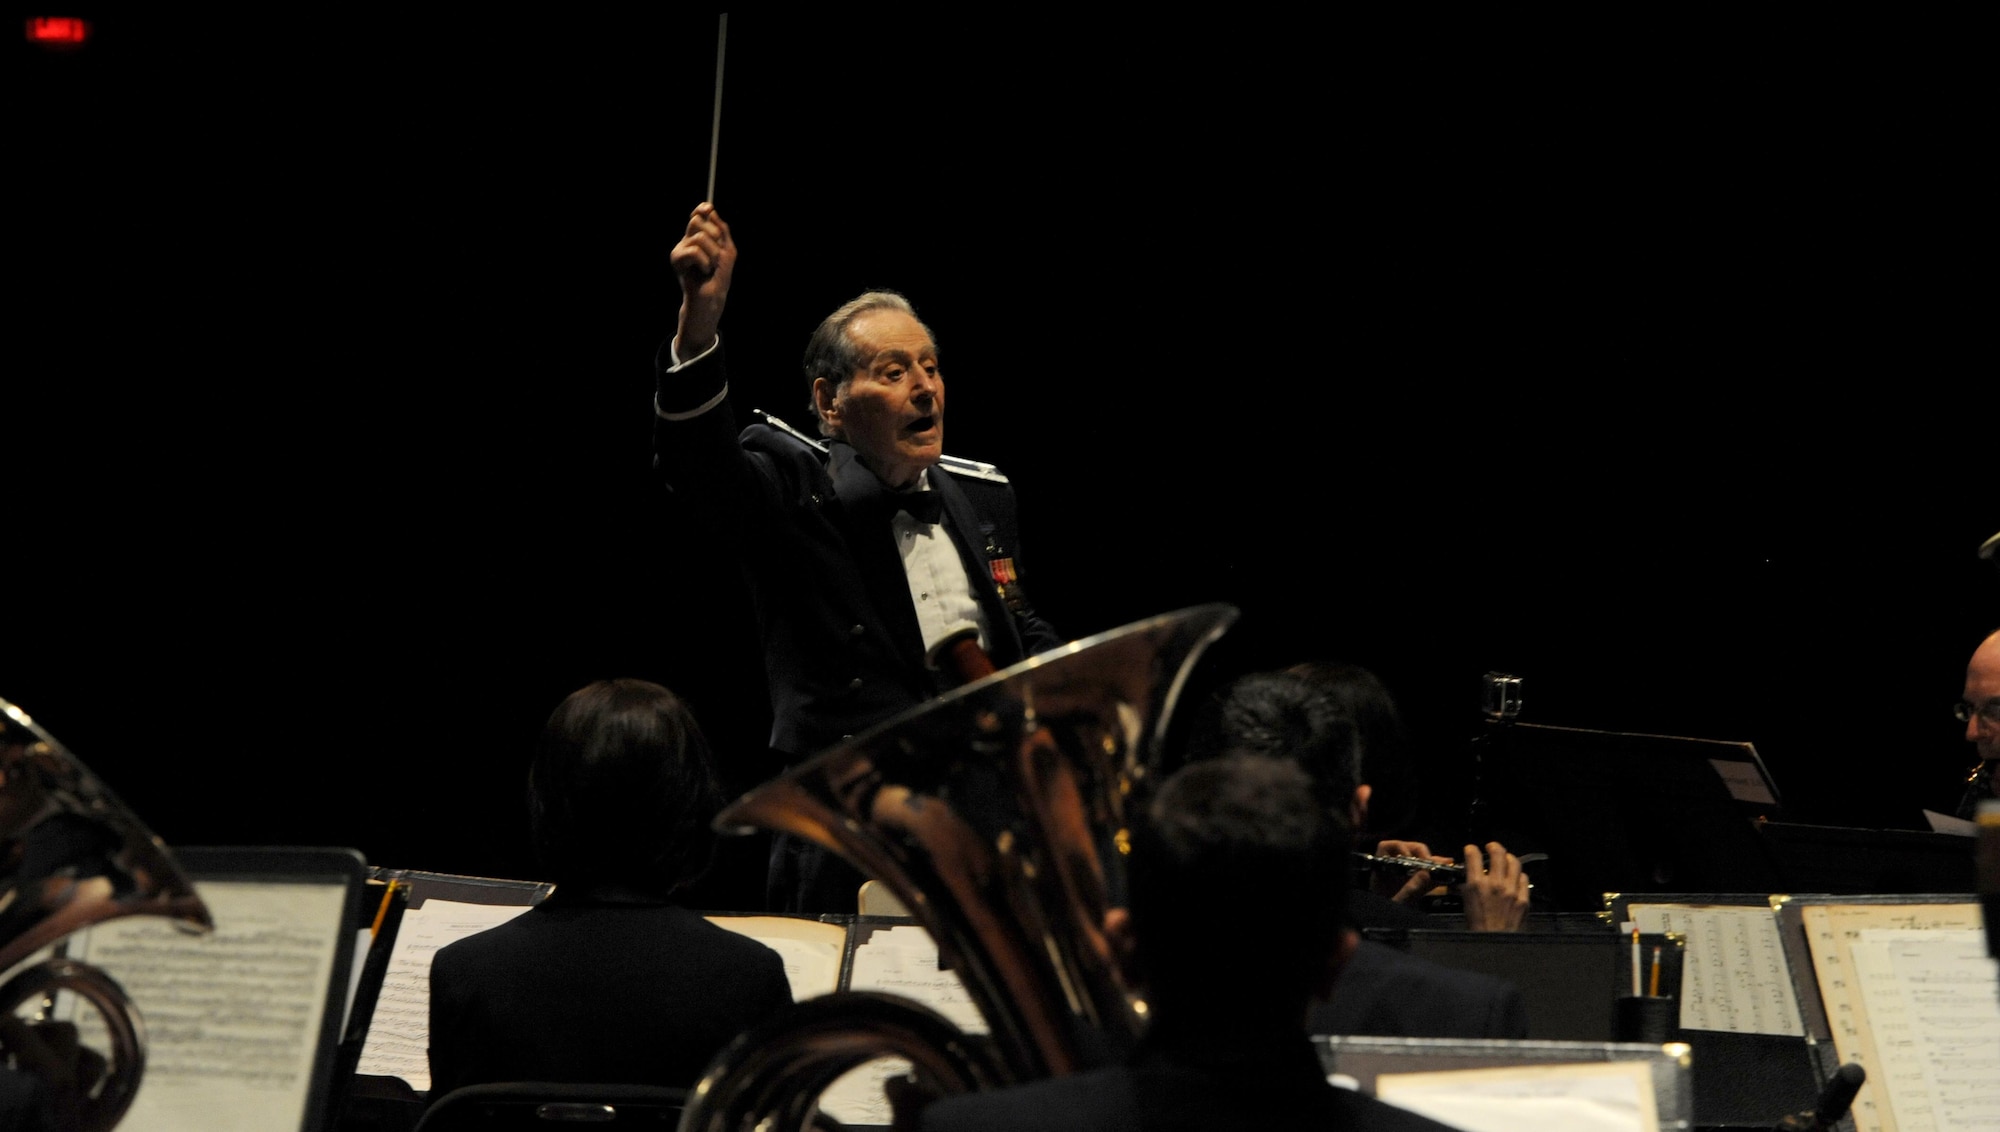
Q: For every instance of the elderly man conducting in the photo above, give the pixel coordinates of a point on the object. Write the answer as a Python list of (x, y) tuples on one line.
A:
[(872, 565)]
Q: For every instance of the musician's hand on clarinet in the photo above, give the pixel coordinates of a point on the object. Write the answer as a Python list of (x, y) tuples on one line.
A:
[(704, 260), (1495, 889), (1404, 889)]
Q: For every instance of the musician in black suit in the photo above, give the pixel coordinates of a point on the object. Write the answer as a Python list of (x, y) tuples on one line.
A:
[(1339, 721), (1330, 721), (610, 980), (1226, 1045), (870, 560)]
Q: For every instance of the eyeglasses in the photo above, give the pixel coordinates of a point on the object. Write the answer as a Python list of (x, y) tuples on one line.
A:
[(1987, 713)]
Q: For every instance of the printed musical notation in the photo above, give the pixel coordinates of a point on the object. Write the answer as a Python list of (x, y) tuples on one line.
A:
[(1853, 985), (1735, 977), (1931, 1002), (233, 1018), (810, 949), (398, 1043), (902, 960)]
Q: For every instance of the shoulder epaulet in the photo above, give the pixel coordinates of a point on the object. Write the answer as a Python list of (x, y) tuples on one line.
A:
[(974, 469), (778, 424), (956, 465)]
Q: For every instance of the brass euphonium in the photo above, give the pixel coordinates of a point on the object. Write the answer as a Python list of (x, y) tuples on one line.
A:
[(72, 855), (996, 814)]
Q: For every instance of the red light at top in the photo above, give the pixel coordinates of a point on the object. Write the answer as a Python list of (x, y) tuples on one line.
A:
[(58, 31)]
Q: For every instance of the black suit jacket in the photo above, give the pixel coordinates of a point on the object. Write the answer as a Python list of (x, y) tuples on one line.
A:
[(842, 647), (642, 994), (1386, 993)]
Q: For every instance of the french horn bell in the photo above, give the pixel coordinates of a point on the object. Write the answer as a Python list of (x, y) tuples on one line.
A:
[(72, 855)]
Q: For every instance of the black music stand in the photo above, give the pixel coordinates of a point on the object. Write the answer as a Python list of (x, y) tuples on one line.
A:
[(1625, 812), (1569, 981), (1741, 1079), (1855, 862)]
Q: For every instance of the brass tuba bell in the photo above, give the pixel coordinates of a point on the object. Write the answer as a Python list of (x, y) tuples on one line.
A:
[(996, 814), (71, 855)]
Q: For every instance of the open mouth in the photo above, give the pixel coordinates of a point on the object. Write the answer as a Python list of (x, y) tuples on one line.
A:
[(921, 424)]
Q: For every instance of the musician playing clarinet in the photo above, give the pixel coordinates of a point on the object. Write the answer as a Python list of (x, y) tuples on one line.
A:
[(871, 558)]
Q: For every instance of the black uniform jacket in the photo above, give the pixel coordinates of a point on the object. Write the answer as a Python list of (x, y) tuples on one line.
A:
[(811, 529)]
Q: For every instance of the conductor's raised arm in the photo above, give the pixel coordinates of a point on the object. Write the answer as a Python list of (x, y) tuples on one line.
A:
[(703, 261)]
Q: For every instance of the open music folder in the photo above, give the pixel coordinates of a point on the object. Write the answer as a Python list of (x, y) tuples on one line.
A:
[(1906, 987)]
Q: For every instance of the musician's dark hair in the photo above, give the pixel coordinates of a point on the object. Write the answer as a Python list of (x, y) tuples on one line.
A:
[(1285, 715), (1224, 839), (622, 790), (831, 352)]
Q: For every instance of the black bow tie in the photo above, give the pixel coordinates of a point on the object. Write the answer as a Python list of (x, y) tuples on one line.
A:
[(923, 506)]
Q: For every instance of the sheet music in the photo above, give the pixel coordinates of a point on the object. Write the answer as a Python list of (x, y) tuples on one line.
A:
[(1734, 977), (811, 951), (1615, 1096), (398, 1043), (858, 1099), (901, 960), (1831, 932), (233, 1018), (1932, 1002)]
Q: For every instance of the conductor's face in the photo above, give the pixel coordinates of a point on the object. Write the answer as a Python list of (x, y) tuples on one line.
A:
[(892, 409)]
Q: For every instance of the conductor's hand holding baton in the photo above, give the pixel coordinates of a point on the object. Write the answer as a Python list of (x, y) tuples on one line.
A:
[(703, 260)]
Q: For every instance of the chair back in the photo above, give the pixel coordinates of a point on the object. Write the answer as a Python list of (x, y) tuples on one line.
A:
[(547, 1106)]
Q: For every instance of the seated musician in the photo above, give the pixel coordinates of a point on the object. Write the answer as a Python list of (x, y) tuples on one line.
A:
[(609, 980), (1320, 723), (1979, 709), (1226, 1046), (1339, 721)]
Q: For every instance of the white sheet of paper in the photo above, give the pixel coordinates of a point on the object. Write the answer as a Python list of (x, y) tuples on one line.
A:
[(811, 951), (1735, 977), (1947, 823), (808, 968), (398, 1042), (1612, 1096), (1931, 1001), (902, 960), (1832, 930), (857, 1098), (232, 1018)]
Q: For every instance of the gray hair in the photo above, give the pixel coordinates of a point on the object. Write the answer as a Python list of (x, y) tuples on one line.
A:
[(831, 353)]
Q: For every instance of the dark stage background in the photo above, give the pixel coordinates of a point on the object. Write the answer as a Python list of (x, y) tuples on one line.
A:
[(1637, 362)]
